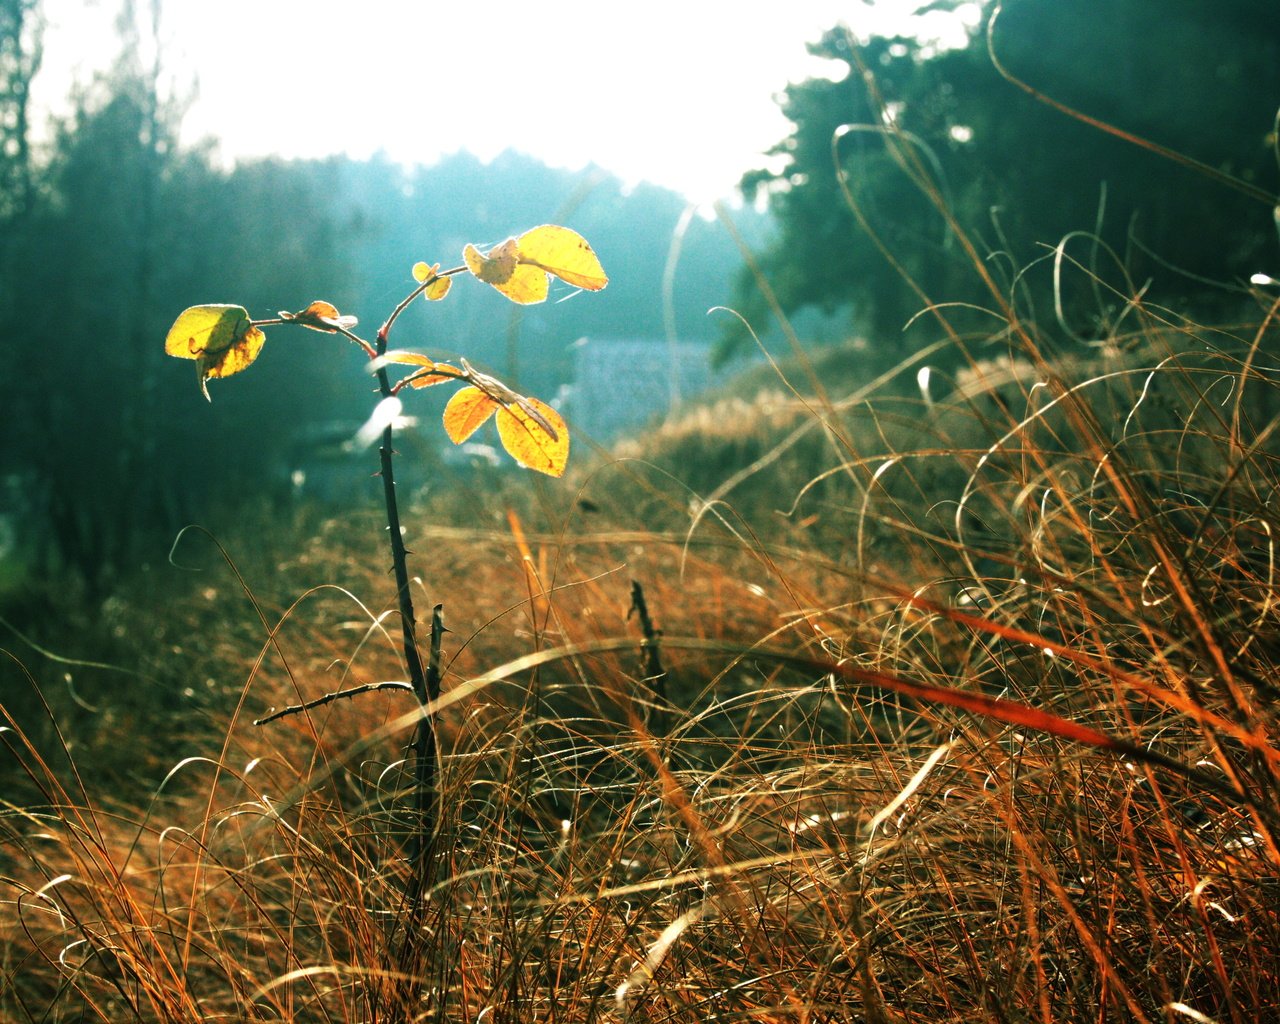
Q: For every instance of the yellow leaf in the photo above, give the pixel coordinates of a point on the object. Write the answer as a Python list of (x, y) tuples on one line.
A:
[(519, 266), (427, 375), (438, 287), (494, 267), (535, 435), (466, 412), (431, 374), (203, 329), (526, 286), (425, 378), (564, 253), (220, 338), (230, 360), (321, 316), (399, 355), (502, 268), (236, 357)]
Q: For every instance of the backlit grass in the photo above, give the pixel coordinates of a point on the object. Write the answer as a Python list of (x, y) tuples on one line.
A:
[(781, 828)]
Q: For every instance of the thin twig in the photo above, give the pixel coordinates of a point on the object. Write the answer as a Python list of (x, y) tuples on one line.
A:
[(426, 755), (654, 673), (407, 301), (329, 698)]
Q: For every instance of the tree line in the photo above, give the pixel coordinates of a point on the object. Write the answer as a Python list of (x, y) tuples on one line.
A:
[(1160, 185)]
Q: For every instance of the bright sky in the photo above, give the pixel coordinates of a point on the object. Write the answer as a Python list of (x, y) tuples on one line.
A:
[(676, 92)]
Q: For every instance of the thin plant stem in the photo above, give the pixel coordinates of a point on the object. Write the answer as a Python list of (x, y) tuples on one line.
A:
[(425, 738)]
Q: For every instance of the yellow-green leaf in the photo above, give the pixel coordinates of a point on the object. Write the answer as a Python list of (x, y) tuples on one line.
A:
[(564, 253), (219, 337), (535, 435), (201, 329), (466, 412)]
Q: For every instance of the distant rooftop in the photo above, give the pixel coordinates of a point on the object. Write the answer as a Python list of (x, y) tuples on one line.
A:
[(621, 384)]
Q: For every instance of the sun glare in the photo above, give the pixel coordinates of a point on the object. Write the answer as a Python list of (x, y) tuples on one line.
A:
[(680, 95)]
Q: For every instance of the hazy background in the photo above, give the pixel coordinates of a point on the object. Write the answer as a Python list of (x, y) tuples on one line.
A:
[(158, 155), (676, 94)]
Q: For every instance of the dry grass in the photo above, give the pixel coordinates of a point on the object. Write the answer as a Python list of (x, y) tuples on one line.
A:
[(788, 826)]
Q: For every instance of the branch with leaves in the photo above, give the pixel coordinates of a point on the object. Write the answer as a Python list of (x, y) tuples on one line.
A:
[(223, 340)]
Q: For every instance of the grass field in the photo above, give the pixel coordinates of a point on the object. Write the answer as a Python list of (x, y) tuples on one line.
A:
[(964, 709)]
